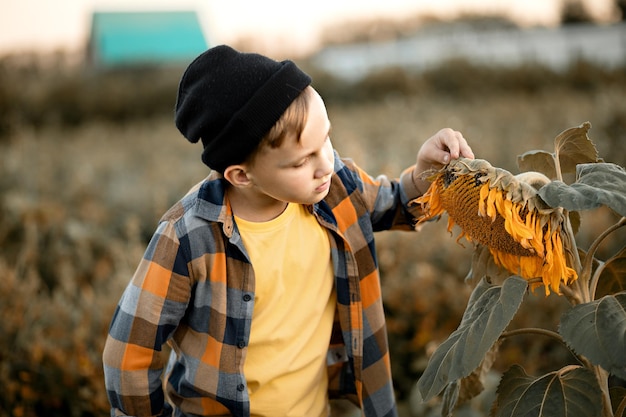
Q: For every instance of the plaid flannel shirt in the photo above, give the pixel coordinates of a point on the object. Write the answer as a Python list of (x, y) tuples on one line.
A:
[(194, 289)]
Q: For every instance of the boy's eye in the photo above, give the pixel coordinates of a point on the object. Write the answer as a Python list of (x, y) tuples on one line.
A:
[(301, 163)]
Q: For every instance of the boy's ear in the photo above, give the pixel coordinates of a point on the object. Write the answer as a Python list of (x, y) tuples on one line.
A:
[(237, 175)]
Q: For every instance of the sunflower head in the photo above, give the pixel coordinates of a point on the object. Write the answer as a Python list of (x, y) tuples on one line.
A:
[(503, 212)]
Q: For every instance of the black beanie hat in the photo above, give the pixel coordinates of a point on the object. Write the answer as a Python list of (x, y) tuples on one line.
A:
[(230, 100)]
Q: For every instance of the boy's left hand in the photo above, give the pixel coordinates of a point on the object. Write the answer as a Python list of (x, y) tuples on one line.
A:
[(438, 150)]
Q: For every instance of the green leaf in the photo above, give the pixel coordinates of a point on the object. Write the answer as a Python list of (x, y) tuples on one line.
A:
[(598, 184), (571, 393), (573, 147), (613, 276), (538, 161), (489, 310), (597, 330)]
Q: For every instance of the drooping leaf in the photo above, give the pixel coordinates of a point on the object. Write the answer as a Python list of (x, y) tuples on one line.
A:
[(474, 384), (613, 276), (597, 330), (538, 161), (598, 184), (460, 392), (571, 393), (573, 147), (489, 311), (450, 398)]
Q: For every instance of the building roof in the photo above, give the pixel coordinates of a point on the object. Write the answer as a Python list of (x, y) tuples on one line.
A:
[(152, 37)]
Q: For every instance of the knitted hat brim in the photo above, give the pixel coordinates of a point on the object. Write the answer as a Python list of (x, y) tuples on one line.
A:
[(246, 128)]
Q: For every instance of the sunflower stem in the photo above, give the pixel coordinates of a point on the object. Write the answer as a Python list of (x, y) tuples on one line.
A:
[(595, 278), (603, 380), (582, 290), (581, 294), (534, 330), (557, 167), (573, 296), (591, 255)]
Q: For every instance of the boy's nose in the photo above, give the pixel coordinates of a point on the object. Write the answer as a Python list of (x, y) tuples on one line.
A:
[(326, 166)]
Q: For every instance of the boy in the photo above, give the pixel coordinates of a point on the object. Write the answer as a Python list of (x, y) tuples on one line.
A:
[(263, 279)]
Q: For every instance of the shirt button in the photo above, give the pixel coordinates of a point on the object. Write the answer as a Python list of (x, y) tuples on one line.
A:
[(247, 297), (241, 344), (241, 387)]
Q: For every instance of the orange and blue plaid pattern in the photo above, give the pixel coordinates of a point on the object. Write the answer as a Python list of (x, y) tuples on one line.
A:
[(194, 289)]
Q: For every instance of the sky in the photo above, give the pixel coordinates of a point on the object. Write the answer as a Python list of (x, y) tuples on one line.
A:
[(281, 26)]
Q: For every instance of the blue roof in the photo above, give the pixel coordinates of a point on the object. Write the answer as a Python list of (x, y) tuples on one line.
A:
[(123, 38)]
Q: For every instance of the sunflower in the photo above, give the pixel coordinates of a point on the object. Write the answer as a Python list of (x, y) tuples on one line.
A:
[(503, 212)]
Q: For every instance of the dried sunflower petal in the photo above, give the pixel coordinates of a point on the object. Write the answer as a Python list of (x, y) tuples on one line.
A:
[(502, 212)]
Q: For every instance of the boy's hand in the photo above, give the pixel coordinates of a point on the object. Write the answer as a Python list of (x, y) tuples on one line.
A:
[(438, 150)]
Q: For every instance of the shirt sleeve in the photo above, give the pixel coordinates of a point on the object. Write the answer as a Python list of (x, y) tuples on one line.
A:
[(148, 312), (388, 200)]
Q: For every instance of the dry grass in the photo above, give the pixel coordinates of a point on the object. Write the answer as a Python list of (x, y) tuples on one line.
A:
[(77, 205)]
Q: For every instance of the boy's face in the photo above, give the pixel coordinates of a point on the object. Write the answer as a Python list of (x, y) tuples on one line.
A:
[(298, 171)]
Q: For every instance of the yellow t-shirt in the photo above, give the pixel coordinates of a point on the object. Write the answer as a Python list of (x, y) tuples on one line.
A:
[(285, 365)]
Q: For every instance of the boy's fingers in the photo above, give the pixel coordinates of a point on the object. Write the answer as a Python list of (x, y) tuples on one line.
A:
[(452, 142), (457, 146), (465, 150), (447, 144)]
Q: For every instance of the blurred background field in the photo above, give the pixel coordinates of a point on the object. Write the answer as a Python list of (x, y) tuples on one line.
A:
[(89, 160)]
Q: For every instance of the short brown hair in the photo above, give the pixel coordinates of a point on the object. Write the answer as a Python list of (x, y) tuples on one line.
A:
[(290, 123)]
